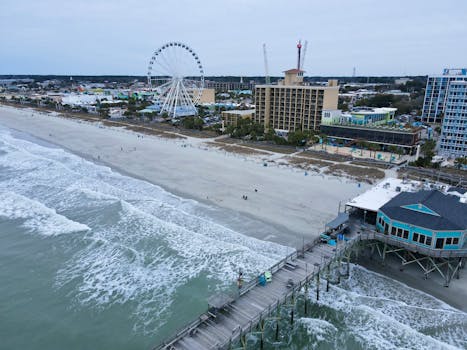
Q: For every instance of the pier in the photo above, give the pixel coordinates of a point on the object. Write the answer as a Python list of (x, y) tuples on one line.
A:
[(230, 319)]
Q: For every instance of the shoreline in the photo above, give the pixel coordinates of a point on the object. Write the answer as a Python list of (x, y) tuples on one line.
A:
[(286, 234), (281, 196), (454, 295)]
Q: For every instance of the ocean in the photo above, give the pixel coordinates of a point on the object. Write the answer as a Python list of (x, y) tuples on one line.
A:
[(94, 259)]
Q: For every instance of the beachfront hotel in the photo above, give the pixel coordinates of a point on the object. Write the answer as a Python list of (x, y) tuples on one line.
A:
[(292, 105), (453, 140), (428, 219), (436, 93)]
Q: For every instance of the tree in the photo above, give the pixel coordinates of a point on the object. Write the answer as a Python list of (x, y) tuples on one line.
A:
[(428, 149), (373, 147), (298, 138), (379, 100), (361, 144), (324, 140), (104, 112), (460, 162), (245, 127)]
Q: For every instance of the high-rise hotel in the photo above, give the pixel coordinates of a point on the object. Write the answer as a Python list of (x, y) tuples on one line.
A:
[(453, 140), (436, 93), (292, 105)]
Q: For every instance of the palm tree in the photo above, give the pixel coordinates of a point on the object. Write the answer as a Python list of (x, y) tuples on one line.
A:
[(324, 141)]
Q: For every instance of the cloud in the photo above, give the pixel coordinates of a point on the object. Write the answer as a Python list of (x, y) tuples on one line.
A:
[(118, 37)]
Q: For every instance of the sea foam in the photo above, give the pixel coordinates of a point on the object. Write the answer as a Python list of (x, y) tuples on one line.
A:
[(383, 313), (144, 246), (36, 217)]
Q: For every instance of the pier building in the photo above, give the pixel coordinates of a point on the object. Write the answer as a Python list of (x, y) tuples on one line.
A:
[(425, 218), (263, 304)]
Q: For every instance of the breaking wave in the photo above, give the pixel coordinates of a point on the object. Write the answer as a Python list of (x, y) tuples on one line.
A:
[(140, 244)]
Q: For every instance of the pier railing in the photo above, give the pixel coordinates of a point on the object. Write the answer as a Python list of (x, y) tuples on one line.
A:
[(186, 329), (432, 252), (338, 250)]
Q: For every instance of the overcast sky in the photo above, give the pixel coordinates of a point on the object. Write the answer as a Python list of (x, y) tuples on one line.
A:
[(98, 37)]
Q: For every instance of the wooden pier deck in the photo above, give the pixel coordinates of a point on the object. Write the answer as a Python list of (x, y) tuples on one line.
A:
[(254, 302), (239, 315)]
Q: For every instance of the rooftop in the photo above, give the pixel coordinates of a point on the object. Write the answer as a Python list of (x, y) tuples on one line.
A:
[(379, 195), (369, 110), (428, 209), (240, 111), (294, 71)]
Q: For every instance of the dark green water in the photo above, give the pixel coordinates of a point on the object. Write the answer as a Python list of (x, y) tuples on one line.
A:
[(91, 259)]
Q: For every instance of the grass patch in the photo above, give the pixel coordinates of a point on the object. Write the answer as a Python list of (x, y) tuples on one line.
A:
[(372, 164), (236, 149), (325, 156), (304, 163), (363, 174)]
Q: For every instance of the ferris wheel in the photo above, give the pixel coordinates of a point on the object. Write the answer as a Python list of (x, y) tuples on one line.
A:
[(176, 74)]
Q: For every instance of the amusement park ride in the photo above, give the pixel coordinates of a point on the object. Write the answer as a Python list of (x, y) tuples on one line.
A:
[(176, 75)]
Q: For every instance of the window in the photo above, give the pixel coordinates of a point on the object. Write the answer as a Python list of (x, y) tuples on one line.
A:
[(428, 241), (448, 240), (415, 237), (406, 234), (455, 240), (421, 239), (393, 231)]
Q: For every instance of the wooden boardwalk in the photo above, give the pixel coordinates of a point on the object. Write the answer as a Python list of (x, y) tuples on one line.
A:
[(255, 302)]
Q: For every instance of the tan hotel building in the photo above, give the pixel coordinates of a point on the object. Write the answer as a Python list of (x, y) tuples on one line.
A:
[(290, 105)]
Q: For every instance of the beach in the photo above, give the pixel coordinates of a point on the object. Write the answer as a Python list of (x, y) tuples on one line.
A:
[(298, 203), (123, 236)]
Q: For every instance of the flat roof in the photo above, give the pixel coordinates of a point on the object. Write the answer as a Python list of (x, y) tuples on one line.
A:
[(383, 192), (376, 128), (239, 111), (340, 219), (370, 110)]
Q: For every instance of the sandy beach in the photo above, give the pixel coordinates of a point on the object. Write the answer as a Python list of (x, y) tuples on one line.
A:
[(295, 202)]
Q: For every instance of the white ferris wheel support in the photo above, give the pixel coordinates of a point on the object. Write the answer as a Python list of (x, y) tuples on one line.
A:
[(176, 74)]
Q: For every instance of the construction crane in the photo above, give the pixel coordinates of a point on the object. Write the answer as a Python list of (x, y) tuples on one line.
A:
[(266, 68), (302, 61)]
